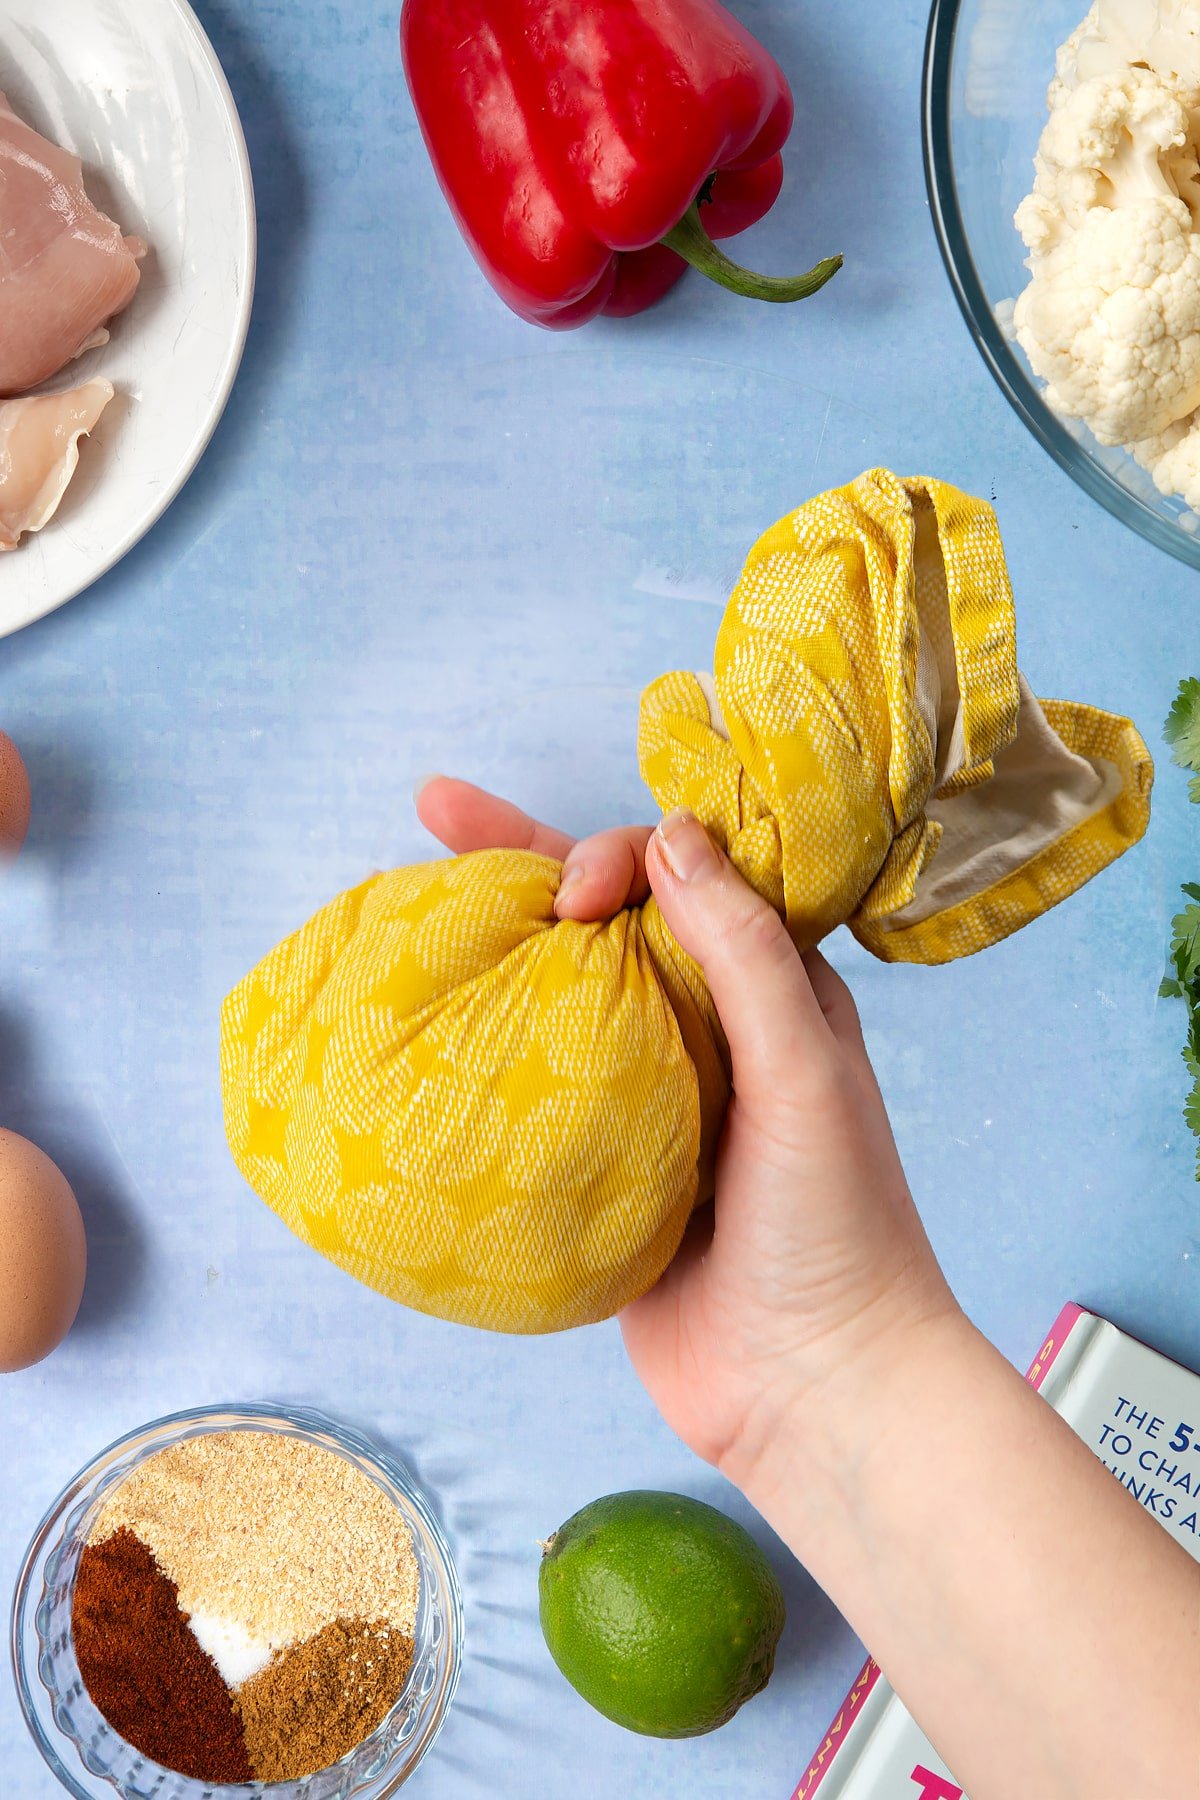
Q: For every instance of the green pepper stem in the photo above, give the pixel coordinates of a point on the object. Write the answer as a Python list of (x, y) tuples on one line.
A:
[(690, 240)]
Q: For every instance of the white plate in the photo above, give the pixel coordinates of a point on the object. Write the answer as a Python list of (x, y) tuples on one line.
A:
[(135, 89)]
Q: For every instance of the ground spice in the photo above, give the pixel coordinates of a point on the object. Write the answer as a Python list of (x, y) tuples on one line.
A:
[(280, 1535), (144, 1669), (290, 1582), (318, 1701)]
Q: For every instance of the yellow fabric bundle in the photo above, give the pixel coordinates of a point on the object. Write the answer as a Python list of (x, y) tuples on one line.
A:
[(506, 1120)]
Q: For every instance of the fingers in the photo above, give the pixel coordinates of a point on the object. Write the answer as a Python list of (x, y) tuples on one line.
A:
[(733, 934), (464, 817), (771, 1015), (604, 873), (601, 874)]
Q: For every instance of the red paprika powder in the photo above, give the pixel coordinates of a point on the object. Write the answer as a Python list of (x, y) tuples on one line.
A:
[(144, 1668)]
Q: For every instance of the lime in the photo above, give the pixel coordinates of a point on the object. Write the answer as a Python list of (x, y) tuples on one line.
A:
[(660, 1611)]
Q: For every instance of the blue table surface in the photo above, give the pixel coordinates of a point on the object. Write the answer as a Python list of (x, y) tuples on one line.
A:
[(428, 536)]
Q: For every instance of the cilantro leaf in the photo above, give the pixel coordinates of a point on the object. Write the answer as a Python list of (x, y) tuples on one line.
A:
[(1191, 1110), (1185, 947), (1182, 981), (1182, 731)]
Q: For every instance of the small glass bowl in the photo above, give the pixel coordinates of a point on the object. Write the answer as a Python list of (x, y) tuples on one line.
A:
[(83, 1750), (988, 64)]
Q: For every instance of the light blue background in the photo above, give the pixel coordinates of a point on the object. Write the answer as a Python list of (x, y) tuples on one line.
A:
[(430, 536)]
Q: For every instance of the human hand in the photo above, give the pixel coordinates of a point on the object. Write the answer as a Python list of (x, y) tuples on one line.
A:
[(813, 1259), (805, 1341)]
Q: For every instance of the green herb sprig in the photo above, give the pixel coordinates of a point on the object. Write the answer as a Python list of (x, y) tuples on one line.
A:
[(1182, 732)]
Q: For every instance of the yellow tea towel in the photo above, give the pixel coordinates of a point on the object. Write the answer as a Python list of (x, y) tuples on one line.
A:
[(507, 1120)]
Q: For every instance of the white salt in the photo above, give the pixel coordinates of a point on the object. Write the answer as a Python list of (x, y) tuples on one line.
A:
[(236, 1653)]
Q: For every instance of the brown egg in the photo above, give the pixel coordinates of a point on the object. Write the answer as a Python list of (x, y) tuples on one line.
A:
[(14, 799), (43, 1254)]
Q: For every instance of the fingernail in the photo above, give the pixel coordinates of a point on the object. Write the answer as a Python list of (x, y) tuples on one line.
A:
[(572, 875), (687, 849), (422, 782)]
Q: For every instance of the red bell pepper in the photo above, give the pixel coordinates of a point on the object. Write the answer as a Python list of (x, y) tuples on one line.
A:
[(579, 142)]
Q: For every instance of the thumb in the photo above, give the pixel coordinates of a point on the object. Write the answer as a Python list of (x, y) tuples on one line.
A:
[(772, 1019)]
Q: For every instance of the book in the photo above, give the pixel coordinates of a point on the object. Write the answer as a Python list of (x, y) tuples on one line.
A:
[(1140, 1413)]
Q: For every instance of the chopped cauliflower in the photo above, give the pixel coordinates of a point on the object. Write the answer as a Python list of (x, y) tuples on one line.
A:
[(1163, 34), (1173, 459), (1112, 140), (1111, 316), (1112, 320)]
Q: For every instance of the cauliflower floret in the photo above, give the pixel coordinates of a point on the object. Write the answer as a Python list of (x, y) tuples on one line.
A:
[(1114, 139), (1111, 320), (1163, 34), (1108, 42), (1173, 459), (1074, 60), (1111, 317)]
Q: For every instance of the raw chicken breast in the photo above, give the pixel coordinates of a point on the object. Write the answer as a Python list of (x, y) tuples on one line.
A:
[(64, 268), (39, 450)]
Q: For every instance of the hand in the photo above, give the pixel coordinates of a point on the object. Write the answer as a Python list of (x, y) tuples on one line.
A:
[(805, 1341), (813, 1255)]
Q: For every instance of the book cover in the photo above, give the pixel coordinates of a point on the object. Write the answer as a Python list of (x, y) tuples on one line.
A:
[(1140, 1412)]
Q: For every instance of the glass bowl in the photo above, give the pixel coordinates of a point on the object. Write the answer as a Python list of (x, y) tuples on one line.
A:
[(88, 1756), (988, 64)]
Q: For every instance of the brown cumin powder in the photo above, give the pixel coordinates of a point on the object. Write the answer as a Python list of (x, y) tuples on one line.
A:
[(314, 1703)]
